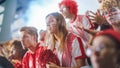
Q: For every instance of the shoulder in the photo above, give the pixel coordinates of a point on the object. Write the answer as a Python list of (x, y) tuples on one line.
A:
[(2, 59), (40, 47), (5, 63), (73, 37), (39, 50), (27, 54), (80, 17)]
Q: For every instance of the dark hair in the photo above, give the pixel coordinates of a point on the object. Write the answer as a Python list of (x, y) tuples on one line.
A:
[(117, 48), (116, 42), (17, 44), (4, 63)]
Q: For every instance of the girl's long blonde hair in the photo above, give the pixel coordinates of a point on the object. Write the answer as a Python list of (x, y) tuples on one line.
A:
[(61, 29)]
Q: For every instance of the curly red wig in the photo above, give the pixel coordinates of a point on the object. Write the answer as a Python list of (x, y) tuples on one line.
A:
[(71, 4)]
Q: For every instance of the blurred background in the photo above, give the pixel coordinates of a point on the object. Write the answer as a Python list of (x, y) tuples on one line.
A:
[(17, 13)]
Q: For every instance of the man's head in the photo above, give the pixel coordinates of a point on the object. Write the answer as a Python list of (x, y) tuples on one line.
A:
[(68, 6), (105, 49), (42, 34), (55, 23), (111, 11), (29, 36), (17, 50)]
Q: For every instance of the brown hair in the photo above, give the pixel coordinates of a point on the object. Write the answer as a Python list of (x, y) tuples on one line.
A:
[(62, 30), (30, 30), (17, 44)]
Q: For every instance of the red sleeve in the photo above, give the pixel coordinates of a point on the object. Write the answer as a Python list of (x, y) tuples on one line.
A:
[(18, 65)]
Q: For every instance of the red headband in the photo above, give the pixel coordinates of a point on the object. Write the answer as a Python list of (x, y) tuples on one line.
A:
[(112, 33)]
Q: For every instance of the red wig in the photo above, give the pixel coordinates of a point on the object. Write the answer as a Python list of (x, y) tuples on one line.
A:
[(71, 4)]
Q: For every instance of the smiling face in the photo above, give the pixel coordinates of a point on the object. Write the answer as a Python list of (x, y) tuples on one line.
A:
[(103, 52), (51, 24)]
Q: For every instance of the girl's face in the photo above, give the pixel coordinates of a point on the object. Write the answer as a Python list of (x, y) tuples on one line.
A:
[(113, 16), (52, 26), (103, 52)]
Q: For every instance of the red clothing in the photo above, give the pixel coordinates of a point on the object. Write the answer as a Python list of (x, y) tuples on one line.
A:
[(73, 50), (17, 65), (73, 27), (31, 60)]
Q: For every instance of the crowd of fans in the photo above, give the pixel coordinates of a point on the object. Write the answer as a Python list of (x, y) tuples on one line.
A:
[(85, 41)]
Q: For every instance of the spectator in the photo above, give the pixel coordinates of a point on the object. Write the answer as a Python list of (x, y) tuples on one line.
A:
[(67, 46), (42, 39), (111, 11), (106, 50), (69, 10), (29, 40), (17, 53)]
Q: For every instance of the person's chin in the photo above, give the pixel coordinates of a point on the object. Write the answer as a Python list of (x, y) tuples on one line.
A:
[(25, 47)]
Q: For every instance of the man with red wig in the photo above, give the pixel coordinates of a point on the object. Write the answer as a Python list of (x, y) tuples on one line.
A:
[(69, 9)]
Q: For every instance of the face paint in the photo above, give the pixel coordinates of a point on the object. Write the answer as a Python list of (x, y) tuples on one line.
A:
[(113, 16)]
